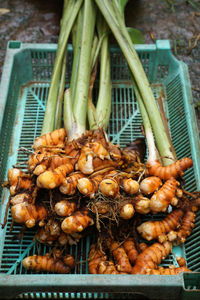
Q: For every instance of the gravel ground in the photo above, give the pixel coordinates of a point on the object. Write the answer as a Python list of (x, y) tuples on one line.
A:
[(37, 21)]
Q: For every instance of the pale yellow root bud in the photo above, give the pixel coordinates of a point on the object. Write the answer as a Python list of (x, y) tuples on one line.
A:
[(150, 185), (39, 169), (142, 205), (85, 186), (65, 208), (174, 201), (13, 175), (130, 186), (179, 193), (109, 187), (127, 211), (77, 222), (30, 223), (85, 161)]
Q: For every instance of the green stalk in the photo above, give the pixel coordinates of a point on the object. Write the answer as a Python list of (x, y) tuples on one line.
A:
[(99, 117), (69, 121), (152, 156), (83, 79), (95, 51), (92, 116), (116, 23), (68, 19), (103, 107), (121, 4), (76, 38), (58, 114)]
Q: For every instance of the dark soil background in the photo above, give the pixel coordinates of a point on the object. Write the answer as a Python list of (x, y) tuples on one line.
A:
[(37, 21)]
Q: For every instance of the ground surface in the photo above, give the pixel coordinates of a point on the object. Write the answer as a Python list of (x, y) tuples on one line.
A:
[(37, 21)]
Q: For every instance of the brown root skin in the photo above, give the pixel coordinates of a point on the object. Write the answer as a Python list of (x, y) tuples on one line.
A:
[(131, 251), (186, 226), (150, 184), (120, 257), (135, 150), (56, 137), (77, 222), (167, 271), (99, 164), (13, 176), (18, 181), (107, 267), (51, 163), (176, 169), (152, 229), (69, 185), (151, 257), (28, 214), (163, 197), (46, 263), (99, 150), (132, 156), (94, 258), (142, 246), (44, 237), (19, 198), (38, 158)]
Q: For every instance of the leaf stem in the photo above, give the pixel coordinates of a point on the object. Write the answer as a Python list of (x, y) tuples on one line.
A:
[(69, 16)]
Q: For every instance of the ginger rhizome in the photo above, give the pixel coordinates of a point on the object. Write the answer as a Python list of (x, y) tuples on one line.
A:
[(163, 197), (46, 263), (151, 257), (28, 214), (174, 170), (150, 230), (54, 138), (131, 251), (121, 258), (75, 186)]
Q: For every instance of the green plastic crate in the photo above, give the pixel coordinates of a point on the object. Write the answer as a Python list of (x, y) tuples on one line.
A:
[(23, 94)]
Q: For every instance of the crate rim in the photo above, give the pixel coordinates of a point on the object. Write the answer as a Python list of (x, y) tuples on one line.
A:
[(17, 284)]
